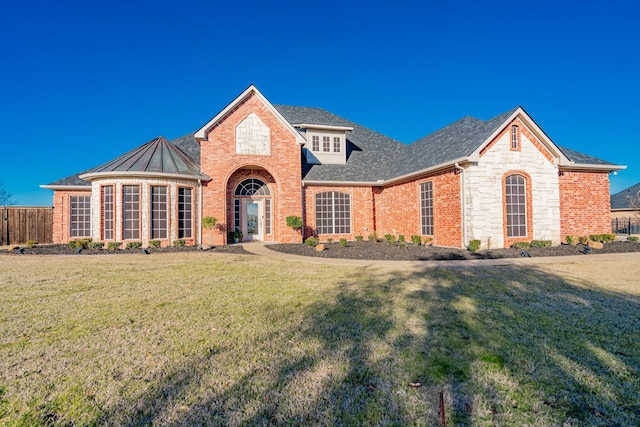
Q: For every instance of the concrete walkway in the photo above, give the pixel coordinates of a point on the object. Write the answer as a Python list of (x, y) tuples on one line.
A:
[(263, 250)]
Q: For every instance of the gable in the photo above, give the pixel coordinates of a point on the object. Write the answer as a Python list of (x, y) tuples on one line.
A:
[(253, 136), (248, 94)]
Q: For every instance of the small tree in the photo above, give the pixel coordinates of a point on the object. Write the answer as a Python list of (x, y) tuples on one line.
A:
[(6, 198), (295, 222), (209, 222)]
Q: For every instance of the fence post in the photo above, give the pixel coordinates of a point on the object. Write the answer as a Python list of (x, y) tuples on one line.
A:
[(629, 230)]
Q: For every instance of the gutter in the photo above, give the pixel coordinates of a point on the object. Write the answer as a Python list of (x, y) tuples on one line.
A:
[(199, 221)]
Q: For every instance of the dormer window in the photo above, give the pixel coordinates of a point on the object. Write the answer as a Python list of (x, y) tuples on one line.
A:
[(326, 144)]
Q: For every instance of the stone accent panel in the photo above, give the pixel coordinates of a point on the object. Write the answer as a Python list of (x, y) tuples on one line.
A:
[(253, 136)]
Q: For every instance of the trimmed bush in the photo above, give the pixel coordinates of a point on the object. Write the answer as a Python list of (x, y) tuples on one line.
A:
[(521, 245), (390, 238), (373, 237), (179, 243), (112, 246), (632, 239), (31, 243), (96, 245), (311, 241), (428, 241), (583, 240), (474, 245), (570, 240), (134, 245), (359, 238), (155, 243), (540, 243), (343, 242), (416, 240)]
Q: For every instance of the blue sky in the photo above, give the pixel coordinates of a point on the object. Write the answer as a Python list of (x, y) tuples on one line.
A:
[(82, 82)]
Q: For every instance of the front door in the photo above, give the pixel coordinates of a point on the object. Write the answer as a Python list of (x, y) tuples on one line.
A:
[(252, 219)]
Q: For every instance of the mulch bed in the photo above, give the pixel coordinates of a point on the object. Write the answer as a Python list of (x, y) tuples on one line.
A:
[(358, 250), (66, 250), (384, 251)]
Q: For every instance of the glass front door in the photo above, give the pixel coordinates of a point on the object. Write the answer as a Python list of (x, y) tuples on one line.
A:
[(252, 219)]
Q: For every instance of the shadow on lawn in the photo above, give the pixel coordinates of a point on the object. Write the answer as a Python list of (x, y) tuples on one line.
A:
[(508, 345)]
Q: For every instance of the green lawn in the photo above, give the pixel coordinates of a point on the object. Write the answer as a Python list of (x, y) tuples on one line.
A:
[(211, 339)]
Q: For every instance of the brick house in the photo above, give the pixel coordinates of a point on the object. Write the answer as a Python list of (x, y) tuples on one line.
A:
[(499, 181)]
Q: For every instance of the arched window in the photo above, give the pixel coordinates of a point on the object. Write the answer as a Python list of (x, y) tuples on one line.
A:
[(333, 213), (516, 205), (252, 187)]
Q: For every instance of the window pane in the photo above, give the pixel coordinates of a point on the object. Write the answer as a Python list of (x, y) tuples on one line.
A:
[(80, 216), (516, 206), (333, 213), (131, 212), (184, 213), (159, 212), (107, 213), (426, 208)]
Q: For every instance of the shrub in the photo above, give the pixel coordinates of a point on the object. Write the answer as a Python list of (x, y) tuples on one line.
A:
[(521, 245), (583, 240), (474, 245), (79, 244), (178, 243), (154, 243), (134, 245), (96, 245), (416, 240), (401, 238), (632, 239), (343, 242), (112, 246), (390, 238), (373, 237), (428, 240), (602, 237), (540, 243), (31, 243), (570, 240), (359, 238), (311, 241)]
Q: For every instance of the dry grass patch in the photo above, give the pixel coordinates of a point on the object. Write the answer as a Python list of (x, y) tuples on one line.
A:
[(197, 338)]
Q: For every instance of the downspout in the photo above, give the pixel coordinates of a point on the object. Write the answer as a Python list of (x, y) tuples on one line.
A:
[(463, 204), (199, 212)]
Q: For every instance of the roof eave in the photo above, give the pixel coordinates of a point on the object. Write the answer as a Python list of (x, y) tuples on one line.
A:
[(591, 167), (65, 187), (97, 175)]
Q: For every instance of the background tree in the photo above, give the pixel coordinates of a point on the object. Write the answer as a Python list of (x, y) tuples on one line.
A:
[(6, 198), (634, 202)]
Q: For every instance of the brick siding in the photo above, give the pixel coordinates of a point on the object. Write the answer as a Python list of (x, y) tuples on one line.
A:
[(584, 203)]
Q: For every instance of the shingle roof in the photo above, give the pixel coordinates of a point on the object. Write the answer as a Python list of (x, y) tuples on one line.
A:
[(370, 155), (581, 158), (459, 139), (620, 200)]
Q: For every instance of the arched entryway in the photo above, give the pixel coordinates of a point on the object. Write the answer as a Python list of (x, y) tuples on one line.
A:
[(253, 209)]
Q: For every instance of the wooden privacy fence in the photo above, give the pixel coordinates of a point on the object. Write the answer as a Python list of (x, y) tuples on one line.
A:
[(21, 224)]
